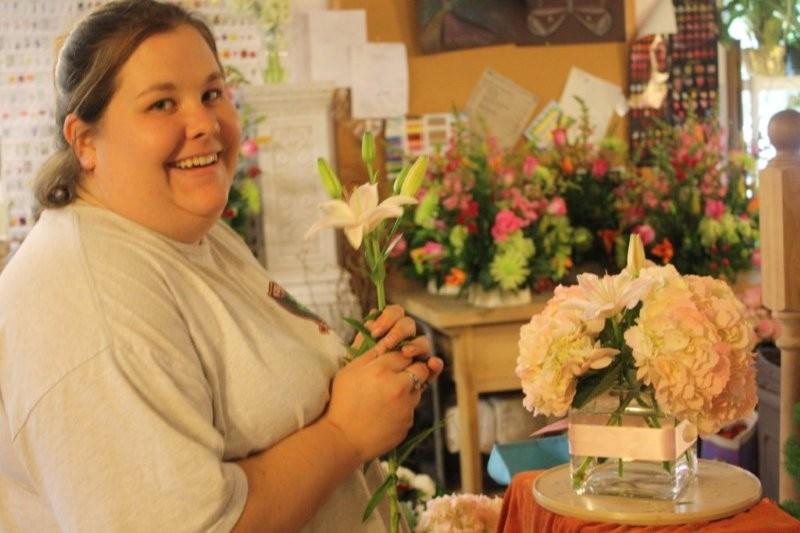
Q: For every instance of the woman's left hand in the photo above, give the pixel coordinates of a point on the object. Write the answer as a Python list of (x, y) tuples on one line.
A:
[(391, 328)]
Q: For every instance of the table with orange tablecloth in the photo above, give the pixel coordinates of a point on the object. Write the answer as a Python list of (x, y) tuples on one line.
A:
[(521, 514)]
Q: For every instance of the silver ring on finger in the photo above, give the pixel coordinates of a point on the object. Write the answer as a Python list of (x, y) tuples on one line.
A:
[(416, 384)]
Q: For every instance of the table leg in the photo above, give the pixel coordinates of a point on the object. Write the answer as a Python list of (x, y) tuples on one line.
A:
[(467, 398)]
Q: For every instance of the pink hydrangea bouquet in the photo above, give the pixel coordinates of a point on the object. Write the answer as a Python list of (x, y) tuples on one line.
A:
[(670, 346)]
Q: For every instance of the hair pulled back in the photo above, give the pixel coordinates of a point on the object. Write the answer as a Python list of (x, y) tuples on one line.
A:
[(85, 74)]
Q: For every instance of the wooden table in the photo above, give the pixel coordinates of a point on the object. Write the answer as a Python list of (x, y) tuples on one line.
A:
[(482, 345)]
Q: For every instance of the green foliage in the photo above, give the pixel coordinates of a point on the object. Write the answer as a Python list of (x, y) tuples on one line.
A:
[(769, 22), (791, 457)]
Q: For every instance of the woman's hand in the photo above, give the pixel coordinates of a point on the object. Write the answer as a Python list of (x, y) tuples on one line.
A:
[(373, 398), (391, 328)]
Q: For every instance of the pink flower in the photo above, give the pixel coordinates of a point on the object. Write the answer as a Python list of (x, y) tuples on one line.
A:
[(560, 136), (505, 222), (767, 329), (600, 168), (693, 344), (399, 248), (508, 177), (756, 258), (646, 233), (529, 165), (432, 248), (467, 513), (715, 209), (557, 206), (752, 297), (249, 148)]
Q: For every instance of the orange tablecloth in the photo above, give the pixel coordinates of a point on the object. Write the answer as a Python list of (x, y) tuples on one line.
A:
[(521, 514)]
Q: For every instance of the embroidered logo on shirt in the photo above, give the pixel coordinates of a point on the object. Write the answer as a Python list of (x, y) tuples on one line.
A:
[(286, 301)]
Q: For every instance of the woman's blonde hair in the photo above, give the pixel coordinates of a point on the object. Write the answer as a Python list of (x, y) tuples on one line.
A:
[(85, 74)]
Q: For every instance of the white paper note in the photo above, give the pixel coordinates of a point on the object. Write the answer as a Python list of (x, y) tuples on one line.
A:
[(379, 77), (503, 105), (601, 97), (331, 33), (654, 17)]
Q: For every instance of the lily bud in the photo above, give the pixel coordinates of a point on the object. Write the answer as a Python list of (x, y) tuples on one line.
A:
[(368, 147), (329, 180), (636, 260), (414, 177), (398, 181)]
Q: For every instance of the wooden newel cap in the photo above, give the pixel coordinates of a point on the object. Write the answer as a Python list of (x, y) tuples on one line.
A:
[(784, 132)]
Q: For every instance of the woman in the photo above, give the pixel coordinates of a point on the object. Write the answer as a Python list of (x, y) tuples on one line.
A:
[(152, 378)]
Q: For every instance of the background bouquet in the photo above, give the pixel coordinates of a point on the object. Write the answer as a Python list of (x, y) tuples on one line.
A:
[(486, 218), (676, 346), (691, 207), (586, 176)]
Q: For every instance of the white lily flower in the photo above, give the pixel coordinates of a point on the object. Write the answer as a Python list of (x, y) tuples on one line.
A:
[(360, 215), (607, 296)]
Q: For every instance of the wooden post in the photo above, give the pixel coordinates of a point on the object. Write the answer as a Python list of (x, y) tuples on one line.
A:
[(779, 191)]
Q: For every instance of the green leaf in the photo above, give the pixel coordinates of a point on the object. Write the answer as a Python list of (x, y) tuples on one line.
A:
[(592, 385), (378, 496), (408, 446), (367, 342)]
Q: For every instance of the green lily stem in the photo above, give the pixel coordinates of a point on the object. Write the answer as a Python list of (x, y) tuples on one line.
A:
[(391, 494)]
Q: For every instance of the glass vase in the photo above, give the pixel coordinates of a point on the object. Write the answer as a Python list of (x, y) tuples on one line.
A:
[(621, 444)]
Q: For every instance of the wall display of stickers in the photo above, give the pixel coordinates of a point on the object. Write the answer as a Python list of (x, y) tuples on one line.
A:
[(681, 67)]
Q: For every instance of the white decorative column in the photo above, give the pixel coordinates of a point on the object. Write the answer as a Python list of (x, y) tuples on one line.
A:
[(298, 121)]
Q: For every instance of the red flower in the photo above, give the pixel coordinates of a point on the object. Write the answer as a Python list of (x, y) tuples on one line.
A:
[(664, 250), (608, 236)]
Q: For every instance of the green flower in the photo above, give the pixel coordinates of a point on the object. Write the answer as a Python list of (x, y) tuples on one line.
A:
[(509, 270), (710, 231), (614, 144), (582, 238), (427, 210), (543, 174), (517, 243), (251, 196), (458, 236), (744, 227), (729, 227)]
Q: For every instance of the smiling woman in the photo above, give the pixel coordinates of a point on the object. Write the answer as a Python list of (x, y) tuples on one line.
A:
[(152, 376), (170, 116)]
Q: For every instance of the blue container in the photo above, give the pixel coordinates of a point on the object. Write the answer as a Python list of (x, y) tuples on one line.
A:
[(536, 454)]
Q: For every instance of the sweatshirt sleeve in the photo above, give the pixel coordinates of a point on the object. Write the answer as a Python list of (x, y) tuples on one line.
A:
[(126, 442)]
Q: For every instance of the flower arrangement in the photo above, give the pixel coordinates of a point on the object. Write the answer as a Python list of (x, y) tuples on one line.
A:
[(244, 197), (462, 513), (487, 219), (671, 345), (586, 175), (691, 207), (364, 221)]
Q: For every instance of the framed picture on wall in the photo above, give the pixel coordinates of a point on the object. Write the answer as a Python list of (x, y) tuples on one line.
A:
[(454, 24)]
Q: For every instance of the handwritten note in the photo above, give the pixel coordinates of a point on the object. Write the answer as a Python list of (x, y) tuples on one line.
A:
[(503, 105)]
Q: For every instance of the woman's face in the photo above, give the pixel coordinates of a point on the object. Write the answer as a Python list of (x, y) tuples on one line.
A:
[(166, 146)]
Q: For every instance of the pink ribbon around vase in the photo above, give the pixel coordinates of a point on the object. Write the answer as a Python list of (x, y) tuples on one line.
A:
[(593, 438)]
